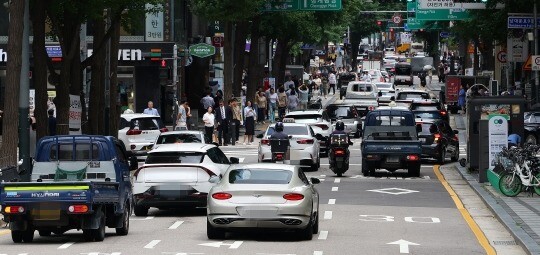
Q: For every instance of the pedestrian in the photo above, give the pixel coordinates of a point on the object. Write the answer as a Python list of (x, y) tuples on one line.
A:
[(462, 96), (332, 80), (324, 87), (261, 104), (181, 118), (250, 115), (188, 115), (52, 122), (292, 101), (151, 110), (289, 82), (282, 103), (441, 72), (223, 117), (209, 121), (514, 140), (318, 82), (234, 123), (207, 101), (218, 97), (272, 105), (303, 96), (392, 101)]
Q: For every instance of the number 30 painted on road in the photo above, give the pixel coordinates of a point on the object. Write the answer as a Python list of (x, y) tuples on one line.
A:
[(386, 218)]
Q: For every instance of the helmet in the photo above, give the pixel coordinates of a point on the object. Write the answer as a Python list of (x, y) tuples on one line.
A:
[(340, 125), (279, 126)]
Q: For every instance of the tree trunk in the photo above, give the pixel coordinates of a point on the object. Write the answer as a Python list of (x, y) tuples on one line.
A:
[(354, 54), (239, 55), (10, 117), (114, 102), (228, 61), (280, 60), (39, 75), (97, 100), (254, 67)]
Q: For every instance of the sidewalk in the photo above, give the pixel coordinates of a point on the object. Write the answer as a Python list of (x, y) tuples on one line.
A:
[(520, 215)]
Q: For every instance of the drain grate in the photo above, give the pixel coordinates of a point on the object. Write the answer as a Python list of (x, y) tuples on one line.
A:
[(504, 243)]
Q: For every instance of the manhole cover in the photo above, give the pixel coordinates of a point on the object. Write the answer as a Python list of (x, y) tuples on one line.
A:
[(504, 243)]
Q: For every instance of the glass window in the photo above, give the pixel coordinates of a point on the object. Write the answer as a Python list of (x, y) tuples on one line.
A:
[(362, 88), (179, 138), (428, 114), (341, 112), (305, 116), (290, 130), (120, 153), (260, 176), (406, 96), (424, 108), (303, 177), (81, 152), (174, 157), (217, 156), (123, 124), (427, 128), (146, 123)]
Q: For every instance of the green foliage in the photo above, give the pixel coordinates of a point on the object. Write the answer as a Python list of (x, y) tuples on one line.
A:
[(226, 10)]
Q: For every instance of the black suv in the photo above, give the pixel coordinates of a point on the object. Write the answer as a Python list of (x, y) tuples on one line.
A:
[(438, 140), (429, 109)]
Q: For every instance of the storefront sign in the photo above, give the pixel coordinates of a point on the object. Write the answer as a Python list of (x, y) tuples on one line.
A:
[(154, 23), (75, 111), (125, 54), (3, 55), (202, 50), (498, 136)]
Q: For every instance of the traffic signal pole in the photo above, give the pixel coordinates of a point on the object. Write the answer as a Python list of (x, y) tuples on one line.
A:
[(536, 81)]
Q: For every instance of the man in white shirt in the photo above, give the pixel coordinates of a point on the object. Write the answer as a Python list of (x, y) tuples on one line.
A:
[(151, 110), (289, 82), (207, 101), (332, 80)]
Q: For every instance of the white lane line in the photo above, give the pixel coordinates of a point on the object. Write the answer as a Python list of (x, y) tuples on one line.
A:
[(327, 215), (323, 175), (66, 245), (176, 224), (147, 218), (317, 253), (335, 188), (323, 235), (337, 180), (322, 180), (236, 244), (151, 244), (326, 164), (331, 201)]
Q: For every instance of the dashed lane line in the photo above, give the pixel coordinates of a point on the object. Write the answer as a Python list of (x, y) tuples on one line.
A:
[(323, 235), (152, 244), (331, 201), (65, 246), (328, 215), (317, 253), (176, 224), (337, 180), (335, 188)]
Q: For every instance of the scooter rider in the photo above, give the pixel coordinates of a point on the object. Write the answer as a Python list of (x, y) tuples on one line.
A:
[(279, 141), (339, 130)]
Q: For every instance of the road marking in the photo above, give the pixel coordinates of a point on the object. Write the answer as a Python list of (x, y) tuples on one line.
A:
[(147, 218), (322, 180), (335, 188), (331, 201), (337, 180), (66, 245), (241, 160), (403, 245), (393, 191), (465, 213), (4, 232), (176, 224), (323, 235), (328, 215), (350, 164), (317, 253), (234, 245), (151, 244), (323, 175)]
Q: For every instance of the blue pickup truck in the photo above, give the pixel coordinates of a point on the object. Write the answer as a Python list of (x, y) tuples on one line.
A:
[(77, 182), (390, 141)]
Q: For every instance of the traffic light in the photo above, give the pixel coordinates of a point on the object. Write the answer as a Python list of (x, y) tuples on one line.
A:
[(379, 23), (163, 63)]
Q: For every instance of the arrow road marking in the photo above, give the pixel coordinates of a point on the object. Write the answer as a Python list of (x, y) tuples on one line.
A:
[(176, 224), (233, 245), (151, 244), (147, 218), (403, 245)]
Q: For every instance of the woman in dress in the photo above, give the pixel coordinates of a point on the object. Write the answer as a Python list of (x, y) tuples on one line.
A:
[(249, 123), (208, 119)]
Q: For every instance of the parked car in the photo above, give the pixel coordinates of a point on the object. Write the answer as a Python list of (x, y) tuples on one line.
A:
[(532, 127), (177, 175), (263, 196), (438, 141), (139, 132), (303, 144)]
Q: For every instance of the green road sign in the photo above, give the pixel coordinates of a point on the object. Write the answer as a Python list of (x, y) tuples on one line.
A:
[(414, 24), (281, 5), (202, 50), (440, 14), (320, 5)]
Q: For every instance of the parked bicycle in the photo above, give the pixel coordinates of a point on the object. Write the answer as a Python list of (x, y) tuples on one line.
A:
[(521, 167)]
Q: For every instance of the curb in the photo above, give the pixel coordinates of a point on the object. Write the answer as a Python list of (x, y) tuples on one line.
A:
[(524, 240)]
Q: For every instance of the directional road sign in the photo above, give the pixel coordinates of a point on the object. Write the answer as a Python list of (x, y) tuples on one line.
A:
[(521, 22), (317, 5), (281, 5), (445, 34)]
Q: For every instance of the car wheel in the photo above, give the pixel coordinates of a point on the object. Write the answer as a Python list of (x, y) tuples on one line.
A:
[(316, 224), (455, 157), (531, 139), (44, 233), (124, 230), (414, 170), (307, 233), (214, 233), (141, 210), (365, 170), (442, 155), (28, 235), (17, 236), (99, 233)]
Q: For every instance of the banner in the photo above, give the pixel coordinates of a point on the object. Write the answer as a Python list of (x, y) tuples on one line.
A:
[(498, 136), (75, 111)]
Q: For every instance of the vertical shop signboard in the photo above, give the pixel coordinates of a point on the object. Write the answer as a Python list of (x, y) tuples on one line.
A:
[(154, 23), (498, 136)]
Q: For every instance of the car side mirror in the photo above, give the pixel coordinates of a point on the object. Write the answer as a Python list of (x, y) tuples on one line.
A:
[(315, 180), (456, 132), (234, 160), (418, 128), (260, 135), (133, 163), (214, 179)]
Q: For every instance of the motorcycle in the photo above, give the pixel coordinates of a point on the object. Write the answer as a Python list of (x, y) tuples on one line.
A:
[(280, 150), (339, 153)]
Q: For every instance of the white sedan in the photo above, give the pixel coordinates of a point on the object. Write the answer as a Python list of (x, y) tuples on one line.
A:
[(318, 120), (263, 196), (304, 146), (177, 175)]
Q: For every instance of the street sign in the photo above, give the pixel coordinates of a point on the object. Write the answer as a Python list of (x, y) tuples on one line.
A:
[(453, 4), (281, 5), (318, 5), (202, 50), (501, 56), (396, 19), (521, 22), (528, 64), (217, 41), (437, 14), (535, 63), (444, 34)]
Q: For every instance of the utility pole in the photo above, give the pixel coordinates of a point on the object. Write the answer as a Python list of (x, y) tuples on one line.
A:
[(536, 81), (24, 93), (107, 77)]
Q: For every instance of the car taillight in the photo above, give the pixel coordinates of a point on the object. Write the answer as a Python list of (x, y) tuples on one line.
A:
[(14, 209), (413, 158), (134, 132), (293, 196), (163, 130), (339, 152), (436, 137), (279, 156), (371, 108), (265, 142), (322, 126), (443, 113), (221, 196), (305, 141), (78, 208)]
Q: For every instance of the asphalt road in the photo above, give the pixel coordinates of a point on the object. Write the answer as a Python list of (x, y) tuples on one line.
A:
[(386, 214)]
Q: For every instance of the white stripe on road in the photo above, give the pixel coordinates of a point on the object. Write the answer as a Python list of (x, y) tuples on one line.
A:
[(323, 235), (335, 188), (328, 215), (337, 180), (176, 224), (151, 244), (331, 201), (147, 218), (66, 245), (236, 244), (317, 253), (322, 164)]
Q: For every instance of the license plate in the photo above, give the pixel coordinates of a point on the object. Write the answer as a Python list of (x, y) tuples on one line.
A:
[(392, 159), (257, 212), (422, 140), (41, 214)]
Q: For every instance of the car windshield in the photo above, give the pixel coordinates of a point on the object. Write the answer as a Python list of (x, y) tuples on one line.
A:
[(260, 176), (174, 157), (403, 70), (427, 115), (425, 128), (362, 87), (341, 112), (179, 138), (305, 116), (412, 95), (424, 108), (146, 123), (390, 118), (290, 130)]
